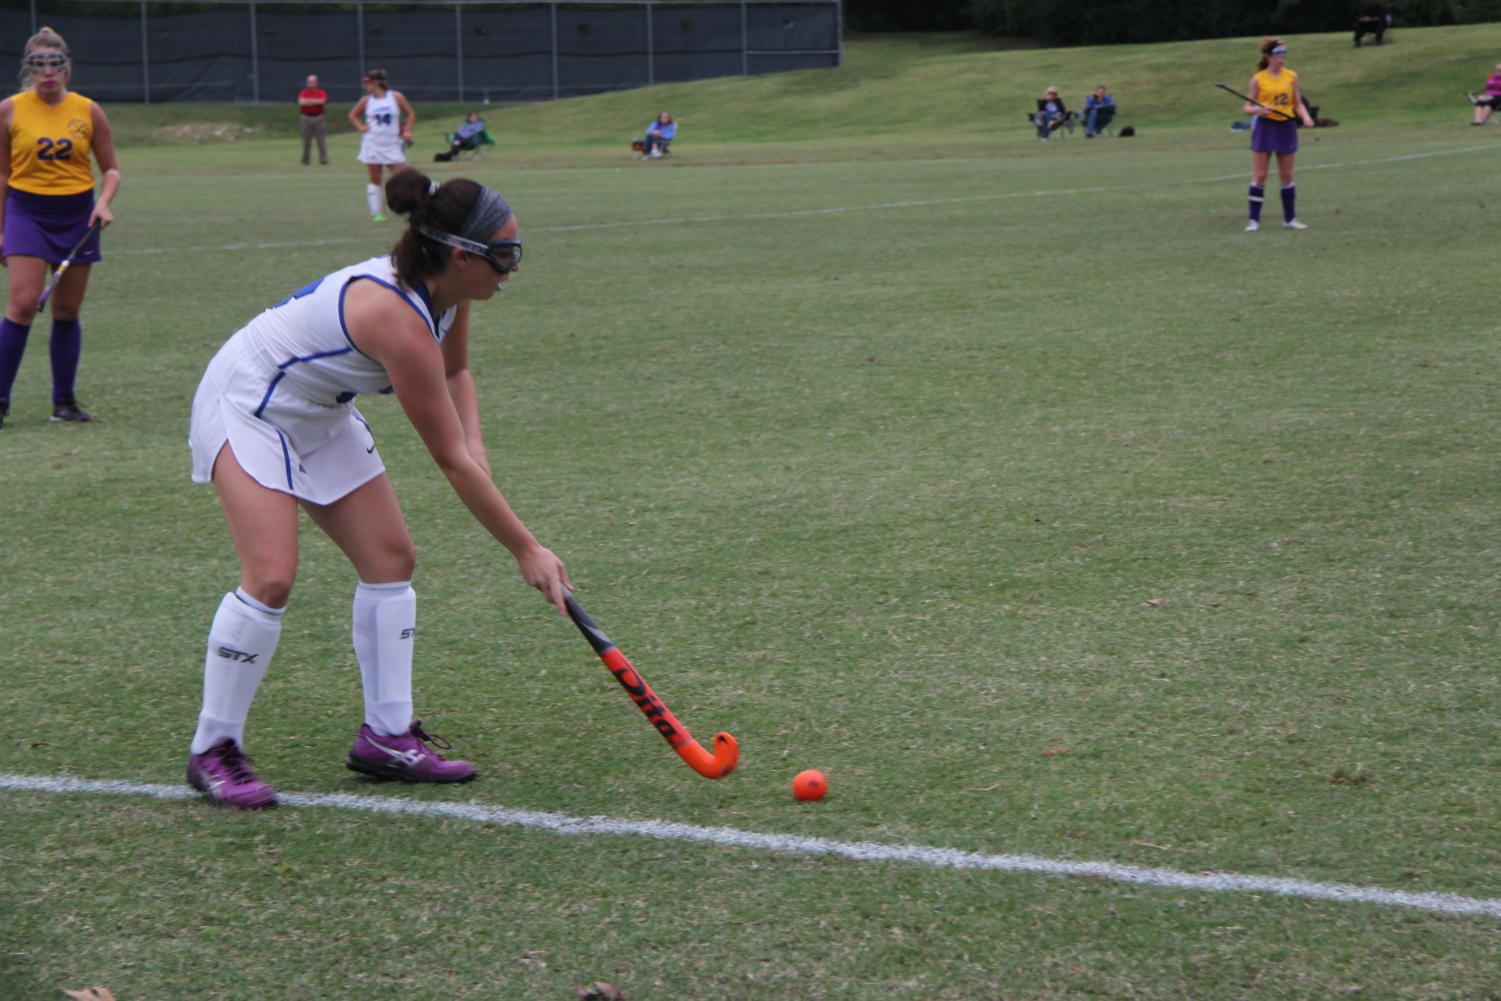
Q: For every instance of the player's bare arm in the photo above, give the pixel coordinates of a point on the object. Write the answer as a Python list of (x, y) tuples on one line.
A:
[(461, 385), (109, 166), (409, 117), (406, 349)]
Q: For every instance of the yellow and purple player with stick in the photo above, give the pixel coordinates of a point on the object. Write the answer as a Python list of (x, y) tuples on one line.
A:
[(50, 138), (1277, 103)]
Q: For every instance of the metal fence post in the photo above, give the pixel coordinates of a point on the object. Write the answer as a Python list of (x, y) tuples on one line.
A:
[(145, 57), (555, 83), (839, 33), (651, 53), (255, 59), (744, 40), (359, 28), (458, 45)]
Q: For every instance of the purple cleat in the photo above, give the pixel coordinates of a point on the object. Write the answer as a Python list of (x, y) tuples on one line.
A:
[(406, 757), (223, 775)]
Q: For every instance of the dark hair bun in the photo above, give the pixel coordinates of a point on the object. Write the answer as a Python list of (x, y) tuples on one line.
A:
[(442, 207), (408, 191)]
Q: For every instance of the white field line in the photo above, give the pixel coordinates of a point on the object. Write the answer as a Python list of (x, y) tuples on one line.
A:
[(834, 210), (859, 851)]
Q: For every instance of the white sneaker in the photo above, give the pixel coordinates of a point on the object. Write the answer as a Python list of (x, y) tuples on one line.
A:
[(1294, 224), (1252, 226), (656, 154)]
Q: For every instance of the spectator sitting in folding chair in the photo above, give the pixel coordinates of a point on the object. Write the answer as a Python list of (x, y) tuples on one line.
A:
[(1051, 114), (1099, 111), (1489, 101), (471, 136), (659, 136)]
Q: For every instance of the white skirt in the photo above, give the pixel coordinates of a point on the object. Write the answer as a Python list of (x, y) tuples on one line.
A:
[(382, 148), (314, 452)]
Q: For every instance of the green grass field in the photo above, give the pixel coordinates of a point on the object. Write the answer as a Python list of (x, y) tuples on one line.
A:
[(1009, 483)]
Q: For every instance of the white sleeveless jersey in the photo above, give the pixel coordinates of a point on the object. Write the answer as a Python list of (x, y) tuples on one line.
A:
[(383, 115), (301, 346), (280, 391)]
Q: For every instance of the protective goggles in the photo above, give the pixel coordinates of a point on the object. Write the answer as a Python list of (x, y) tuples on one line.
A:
[(503, 255), (46, 61)]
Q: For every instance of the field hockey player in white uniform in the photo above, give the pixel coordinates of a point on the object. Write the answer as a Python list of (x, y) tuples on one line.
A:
[(274, 428), (385, 119)]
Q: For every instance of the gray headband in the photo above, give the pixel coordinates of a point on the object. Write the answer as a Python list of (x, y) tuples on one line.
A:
[(490, 213)]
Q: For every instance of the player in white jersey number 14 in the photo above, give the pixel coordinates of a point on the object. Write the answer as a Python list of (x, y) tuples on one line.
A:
[(385, 119)]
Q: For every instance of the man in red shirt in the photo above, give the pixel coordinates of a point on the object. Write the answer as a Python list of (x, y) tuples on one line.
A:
[(312, 101)]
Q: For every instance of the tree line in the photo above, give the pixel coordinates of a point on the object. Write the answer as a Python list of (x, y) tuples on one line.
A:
[(1108, 22)]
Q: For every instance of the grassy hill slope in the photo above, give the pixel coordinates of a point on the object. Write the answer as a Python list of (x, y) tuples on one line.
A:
[(929, 89)]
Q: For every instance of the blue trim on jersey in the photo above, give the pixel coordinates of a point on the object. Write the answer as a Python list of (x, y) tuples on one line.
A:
[(344, 327), (343, 397), (321, 354), (286, 456), (368, 430), (305, 290), (427, 300), (271, 388), (421, 290)]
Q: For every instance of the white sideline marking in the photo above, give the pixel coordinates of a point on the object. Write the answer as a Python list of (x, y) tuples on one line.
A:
[(833, 210), (860, 851)]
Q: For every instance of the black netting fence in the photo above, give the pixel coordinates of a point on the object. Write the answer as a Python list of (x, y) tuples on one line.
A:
[(458, 51)]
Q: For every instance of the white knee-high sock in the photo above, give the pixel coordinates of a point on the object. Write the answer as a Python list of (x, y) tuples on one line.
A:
[(385, 620), (372, 198), (241, 642)]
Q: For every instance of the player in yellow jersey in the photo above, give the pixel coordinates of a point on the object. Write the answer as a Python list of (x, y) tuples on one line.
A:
[(49, 140), (1277, 104)]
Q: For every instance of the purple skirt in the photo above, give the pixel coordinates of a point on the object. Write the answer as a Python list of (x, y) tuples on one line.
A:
[(47, 226), (1274, 137)]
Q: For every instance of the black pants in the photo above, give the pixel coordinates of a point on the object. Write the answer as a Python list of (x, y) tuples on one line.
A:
[(1370, 26), (455, 148)]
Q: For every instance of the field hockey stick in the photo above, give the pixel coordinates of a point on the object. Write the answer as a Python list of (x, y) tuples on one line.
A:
[(1285, 116), (63, 267), (711, 765)]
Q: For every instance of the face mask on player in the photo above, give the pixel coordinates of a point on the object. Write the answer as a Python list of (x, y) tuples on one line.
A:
[(48, 60), (503, 255)]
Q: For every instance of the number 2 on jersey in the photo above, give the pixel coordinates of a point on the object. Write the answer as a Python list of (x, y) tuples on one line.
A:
[(54, 149)]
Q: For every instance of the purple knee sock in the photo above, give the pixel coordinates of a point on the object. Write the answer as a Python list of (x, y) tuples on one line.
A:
[(66, 345), (1289, 196), (12, 346), (1258, 195)]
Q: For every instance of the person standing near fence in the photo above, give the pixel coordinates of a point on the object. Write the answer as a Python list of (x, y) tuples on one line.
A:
[(50, 138), (386, 119), (312, 102)]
